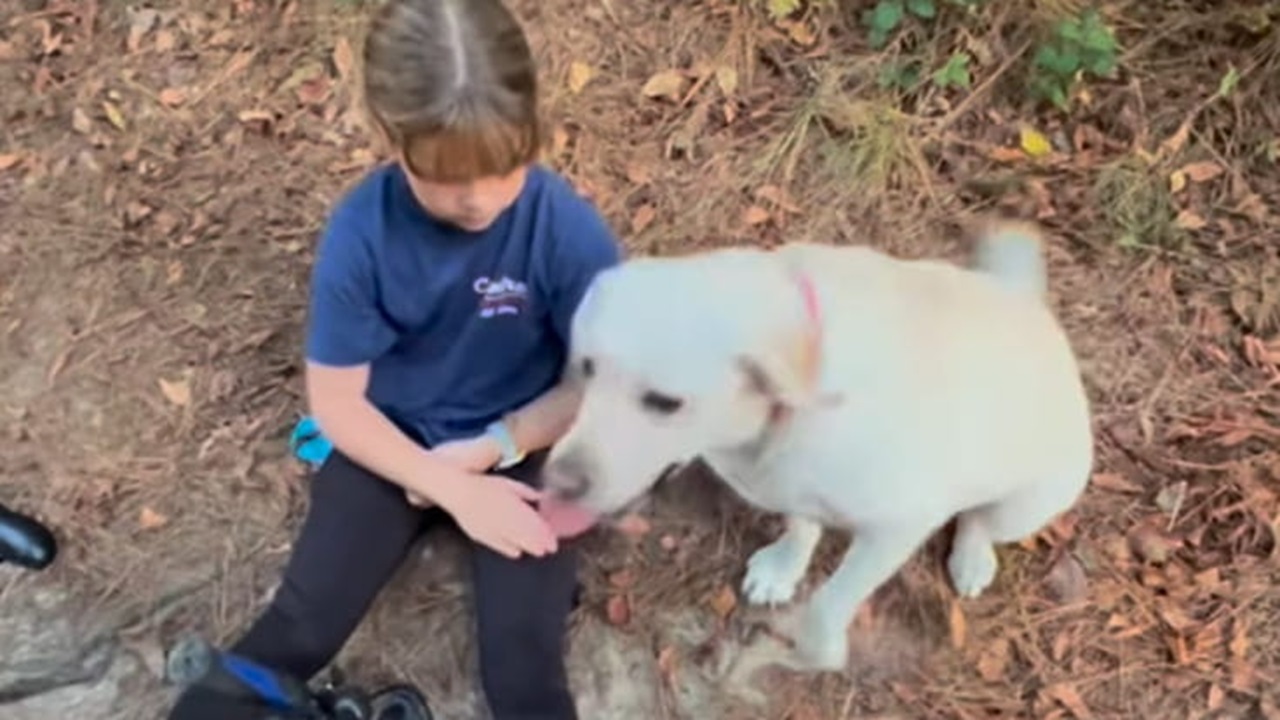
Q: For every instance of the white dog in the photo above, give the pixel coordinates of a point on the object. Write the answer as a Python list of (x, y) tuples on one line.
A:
[(841, 387)]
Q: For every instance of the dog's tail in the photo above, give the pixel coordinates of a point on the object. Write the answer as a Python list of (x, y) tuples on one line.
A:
[(1012, 253)]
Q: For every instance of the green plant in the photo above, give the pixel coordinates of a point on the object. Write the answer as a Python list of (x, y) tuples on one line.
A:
[(887, 16), (955, 73), (1078, 46), (899, 75)]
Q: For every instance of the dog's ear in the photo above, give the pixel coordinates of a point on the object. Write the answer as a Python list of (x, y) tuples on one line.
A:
[(787, 376)]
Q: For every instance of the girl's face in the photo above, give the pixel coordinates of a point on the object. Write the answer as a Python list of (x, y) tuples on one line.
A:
[(472, 206)]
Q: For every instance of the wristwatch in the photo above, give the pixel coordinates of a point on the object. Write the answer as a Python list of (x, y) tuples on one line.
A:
[(511, 452)]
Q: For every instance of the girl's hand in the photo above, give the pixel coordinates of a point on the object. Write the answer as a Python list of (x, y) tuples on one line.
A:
[(496, 512)]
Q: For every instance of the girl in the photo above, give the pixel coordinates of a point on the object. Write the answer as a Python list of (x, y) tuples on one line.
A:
[(441, 301)]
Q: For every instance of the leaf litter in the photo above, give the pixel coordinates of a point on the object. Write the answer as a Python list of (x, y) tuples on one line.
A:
[(1161, 587)]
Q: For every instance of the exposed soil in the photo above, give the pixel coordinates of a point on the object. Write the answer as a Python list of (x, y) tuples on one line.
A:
[(163, 174)]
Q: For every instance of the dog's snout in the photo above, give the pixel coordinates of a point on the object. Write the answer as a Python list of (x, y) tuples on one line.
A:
[(567, 477)]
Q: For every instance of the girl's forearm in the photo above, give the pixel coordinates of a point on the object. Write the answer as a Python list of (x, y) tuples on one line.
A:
[(539, 424), (362, 433)]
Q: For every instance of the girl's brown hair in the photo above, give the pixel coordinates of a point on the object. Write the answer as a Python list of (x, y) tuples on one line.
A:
[(453, 87)]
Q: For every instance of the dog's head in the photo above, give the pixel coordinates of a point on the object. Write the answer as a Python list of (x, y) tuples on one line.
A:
[(677, 357)]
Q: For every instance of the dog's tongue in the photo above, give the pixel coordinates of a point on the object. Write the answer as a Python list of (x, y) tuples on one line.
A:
[(566, 519)]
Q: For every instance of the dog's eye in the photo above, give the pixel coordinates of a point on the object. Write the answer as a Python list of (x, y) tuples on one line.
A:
[(660, 404), (588, 367)]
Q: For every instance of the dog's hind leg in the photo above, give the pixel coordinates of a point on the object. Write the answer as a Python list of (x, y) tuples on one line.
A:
[(775, 570), (972, 563), (822, 624)]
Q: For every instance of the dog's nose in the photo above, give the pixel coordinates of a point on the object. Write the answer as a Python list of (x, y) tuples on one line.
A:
[(566, 477)]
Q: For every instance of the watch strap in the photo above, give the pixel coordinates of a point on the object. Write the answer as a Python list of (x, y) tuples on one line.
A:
[(511, 452)]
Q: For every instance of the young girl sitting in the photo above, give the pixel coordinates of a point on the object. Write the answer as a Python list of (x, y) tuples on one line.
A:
[(441, 301)]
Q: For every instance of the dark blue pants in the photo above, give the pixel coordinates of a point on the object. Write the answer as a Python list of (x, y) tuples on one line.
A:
[(358, 530)]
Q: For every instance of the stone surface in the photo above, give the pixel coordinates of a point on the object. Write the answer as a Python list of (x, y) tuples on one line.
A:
[(48, 639), (100, 699)]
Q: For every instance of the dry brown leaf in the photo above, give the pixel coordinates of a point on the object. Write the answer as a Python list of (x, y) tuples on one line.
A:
[(638, 174), (1006, 154), (1253, 207), (667, 83), (80, 121), (1061, 644), (1239, 645), (136, 212), (1198, 172), (1217, 696), (633, 525), (1115, 482), (580, 74), (149, 519), (727, 79), (755, 215), (141, 21), (623, 579), (1177, 181), (173, 96), (994, 660), (1175, 142), (344, 59), (8, 160), (958, 625), (1067, 580), (1069, 696), (255, 116), (177, 392), (668, 543), (166, 41), (779, 197), (723, 602), (1150, 544), (642, 218), (618, 610), (314, 91), (667, 665), (1189, 220), (799, 32)]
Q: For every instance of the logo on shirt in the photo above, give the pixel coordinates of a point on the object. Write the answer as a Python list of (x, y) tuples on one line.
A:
[(501, 296)]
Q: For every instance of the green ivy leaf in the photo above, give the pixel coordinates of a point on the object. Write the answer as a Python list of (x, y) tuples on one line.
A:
[(955, 73), (1101, 65), (900, 75), (884, 19), (922, 8), (1057, 62)]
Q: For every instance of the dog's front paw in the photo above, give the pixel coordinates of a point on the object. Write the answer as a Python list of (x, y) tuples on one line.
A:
[(773, 574), (972, 567)]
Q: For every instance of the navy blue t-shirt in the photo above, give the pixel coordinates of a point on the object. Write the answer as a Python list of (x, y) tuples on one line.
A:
[(460, 327)]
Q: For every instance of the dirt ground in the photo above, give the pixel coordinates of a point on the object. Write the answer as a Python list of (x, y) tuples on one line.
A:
[(165, 167)]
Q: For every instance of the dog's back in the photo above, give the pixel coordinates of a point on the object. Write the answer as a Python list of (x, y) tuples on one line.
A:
[(962, 377)]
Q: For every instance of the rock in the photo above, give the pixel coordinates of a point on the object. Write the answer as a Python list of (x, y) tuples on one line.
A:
[(48, 641), (98, 699)]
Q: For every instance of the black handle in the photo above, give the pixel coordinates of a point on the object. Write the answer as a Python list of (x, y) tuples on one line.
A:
[(25, 541)]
